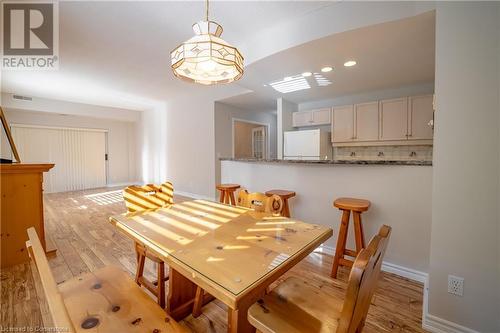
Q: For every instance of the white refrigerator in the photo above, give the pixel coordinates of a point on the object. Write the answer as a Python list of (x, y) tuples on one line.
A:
[(307, 145)]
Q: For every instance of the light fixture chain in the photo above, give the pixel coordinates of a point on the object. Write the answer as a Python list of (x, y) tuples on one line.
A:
[(207, 11)]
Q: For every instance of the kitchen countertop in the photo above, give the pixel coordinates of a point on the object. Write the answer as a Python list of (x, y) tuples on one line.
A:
[(333, 162)]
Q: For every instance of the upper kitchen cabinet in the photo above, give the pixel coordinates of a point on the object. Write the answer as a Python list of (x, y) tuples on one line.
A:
[(343, 124), (312, 117), (394, 119), (420, 112), (366, 119)]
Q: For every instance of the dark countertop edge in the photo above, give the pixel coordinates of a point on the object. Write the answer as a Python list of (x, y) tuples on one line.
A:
[(331, 162)]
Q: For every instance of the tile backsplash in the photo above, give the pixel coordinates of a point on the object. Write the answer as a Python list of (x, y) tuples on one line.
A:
[(396, 153)]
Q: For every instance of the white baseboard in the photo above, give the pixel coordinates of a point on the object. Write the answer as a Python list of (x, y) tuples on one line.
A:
[(123, 184), (387, 267), (192, 195), (439, 325)]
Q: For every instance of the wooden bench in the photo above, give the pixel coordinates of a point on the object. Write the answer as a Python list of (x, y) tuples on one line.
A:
[(106, 300), (296, 306)]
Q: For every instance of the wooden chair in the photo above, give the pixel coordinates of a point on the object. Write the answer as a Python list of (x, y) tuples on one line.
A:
[(296, 306), (260, 202), (139, 198), (106, 300)]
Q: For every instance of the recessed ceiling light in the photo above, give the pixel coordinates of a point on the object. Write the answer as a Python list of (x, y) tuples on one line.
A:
[(306, 74), (349, 63), (326, 69), (287, 78)]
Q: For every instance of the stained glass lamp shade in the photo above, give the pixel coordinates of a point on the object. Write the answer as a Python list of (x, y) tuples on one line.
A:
[(206, 58)]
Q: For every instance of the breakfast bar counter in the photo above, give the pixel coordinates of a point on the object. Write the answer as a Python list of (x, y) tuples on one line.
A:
[(334, 162)]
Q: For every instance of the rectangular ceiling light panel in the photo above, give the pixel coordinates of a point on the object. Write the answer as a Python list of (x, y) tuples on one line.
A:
[(290, 84)]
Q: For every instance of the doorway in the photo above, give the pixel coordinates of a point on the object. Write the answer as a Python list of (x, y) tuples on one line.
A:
[(250, 139)]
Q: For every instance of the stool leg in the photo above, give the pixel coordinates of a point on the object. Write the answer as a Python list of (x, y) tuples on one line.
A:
[(227, 198), (161, 284), (358, 232), (232, 199), (221, 196), (286, 209), (341, 242)]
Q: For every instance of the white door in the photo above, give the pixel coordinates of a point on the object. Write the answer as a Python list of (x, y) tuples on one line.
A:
[(394, 119), (259, 142), (421, 112), (343, 124), (78, 155), (366, 116)]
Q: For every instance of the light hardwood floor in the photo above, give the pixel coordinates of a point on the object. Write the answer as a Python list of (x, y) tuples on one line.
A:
[(77, 222)]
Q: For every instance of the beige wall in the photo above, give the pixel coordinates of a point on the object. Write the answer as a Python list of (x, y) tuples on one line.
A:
[(465, 216), (243, 139)]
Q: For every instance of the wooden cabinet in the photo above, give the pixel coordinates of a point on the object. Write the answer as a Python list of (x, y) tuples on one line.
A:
[(300, 119), (398, 121), (343, 124), (366, 120), (21, 208), (312, 117), (322, 116), (394, 119), (420, 112)]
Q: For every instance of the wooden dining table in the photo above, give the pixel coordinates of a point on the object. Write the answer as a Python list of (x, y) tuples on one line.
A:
[(233, 253)]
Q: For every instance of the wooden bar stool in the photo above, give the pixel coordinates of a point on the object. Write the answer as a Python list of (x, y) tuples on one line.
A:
[(284, 195), (346, 205), (227, 193)]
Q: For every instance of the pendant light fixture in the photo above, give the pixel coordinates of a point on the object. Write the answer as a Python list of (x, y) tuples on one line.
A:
[(206, 58)]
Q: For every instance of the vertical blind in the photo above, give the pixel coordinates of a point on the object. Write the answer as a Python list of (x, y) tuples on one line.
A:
[(78, 155)]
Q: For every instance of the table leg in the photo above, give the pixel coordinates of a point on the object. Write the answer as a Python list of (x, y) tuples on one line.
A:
[(237, 321), (181, 295)]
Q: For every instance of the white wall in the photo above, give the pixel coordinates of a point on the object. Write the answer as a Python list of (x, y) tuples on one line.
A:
[(412, 90), (465, 216), (70, 108), (224, 114), (121, 138), (400, 197), (284, 111)]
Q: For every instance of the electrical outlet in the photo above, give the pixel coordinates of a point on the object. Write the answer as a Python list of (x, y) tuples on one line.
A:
[(455, 285)]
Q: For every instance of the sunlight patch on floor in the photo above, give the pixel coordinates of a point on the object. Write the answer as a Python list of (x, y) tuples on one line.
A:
[(106, 198)]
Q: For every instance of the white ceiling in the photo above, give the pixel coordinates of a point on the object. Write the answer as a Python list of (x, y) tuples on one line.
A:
[(389, 55), (117, 53)]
